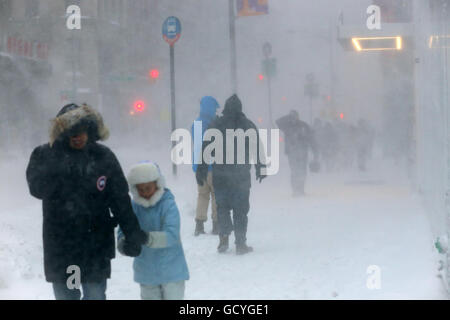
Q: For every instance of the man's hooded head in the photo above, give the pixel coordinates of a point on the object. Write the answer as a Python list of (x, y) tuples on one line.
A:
[(73, 119), (233, 106), (294, 115)]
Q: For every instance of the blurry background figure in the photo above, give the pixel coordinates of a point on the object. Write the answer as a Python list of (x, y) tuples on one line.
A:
[(299, 140), (346, 154), (364, 143), (318, 136), (329, 146)]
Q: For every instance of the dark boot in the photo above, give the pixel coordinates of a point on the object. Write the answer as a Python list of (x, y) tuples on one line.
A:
[(223, 245), (215, 229), (243, 249), (199, 228)]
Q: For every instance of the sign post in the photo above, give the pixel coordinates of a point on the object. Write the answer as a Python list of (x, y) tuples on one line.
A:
[(269, 66), (233, 59), (171, 31), (311, 90), (245, 8)]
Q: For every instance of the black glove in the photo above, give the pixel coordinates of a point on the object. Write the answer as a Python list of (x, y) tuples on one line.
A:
[(260, 176), (200, 176), (131, 249), (139, 237)]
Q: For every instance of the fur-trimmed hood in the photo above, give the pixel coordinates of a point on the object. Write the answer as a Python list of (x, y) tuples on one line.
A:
[(75, 115), (142, 173)]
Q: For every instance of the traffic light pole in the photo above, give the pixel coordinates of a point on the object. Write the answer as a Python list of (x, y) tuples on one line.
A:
[(172, 98), (74, 83), (233, 60), (270, 99)]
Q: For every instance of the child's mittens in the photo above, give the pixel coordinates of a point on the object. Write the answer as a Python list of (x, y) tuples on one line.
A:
[(150, 240), (157, 240), (140, 237)]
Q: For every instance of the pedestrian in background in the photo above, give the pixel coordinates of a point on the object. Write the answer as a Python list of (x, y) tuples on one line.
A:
[(208, 109)]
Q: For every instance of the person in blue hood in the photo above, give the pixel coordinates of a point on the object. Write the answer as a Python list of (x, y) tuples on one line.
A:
[(208, 109)]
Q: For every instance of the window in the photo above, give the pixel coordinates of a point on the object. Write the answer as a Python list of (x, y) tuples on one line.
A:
[(395, 11), (32, 8), (5, 8), (120, 11), (70, 2), (100, 9), (112, 10)]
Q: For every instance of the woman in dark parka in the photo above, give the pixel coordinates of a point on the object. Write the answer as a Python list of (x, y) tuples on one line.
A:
[(80, 181)]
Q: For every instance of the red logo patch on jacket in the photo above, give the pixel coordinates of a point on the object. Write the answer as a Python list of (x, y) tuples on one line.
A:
[(101, 183)]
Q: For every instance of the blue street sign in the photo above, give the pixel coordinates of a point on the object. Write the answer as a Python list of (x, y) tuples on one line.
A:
[(171, 30)]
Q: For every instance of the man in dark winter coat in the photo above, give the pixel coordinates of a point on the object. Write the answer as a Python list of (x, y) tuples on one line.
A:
[(79, 182), (232, 180), (299, 138)]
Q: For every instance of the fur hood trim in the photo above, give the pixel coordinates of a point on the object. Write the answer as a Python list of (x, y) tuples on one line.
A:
[(142, 173), (66, 121)]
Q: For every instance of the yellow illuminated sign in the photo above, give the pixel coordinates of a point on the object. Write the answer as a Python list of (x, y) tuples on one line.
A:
[(373, 43)]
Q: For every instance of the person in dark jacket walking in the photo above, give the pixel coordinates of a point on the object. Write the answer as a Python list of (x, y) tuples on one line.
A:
[(364, 143), (79, 181), (232, 180), (330, 146), (208, 109), (299, 139)]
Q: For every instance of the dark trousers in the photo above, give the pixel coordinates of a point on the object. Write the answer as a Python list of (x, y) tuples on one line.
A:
[(362, 159), (234, 199), (91, 291)]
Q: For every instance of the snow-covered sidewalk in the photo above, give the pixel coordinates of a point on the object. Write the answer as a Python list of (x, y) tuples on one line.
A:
[(317, 247)]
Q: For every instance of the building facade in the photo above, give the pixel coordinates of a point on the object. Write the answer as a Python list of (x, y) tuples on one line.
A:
[(45, 64), (432, 45)]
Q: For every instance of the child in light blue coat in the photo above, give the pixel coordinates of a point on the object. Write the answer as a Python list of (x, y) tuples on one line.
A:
[(161, 268)]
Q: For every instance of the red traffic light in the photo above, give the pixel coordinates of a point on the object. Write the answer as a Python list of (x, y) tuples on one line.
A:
[(341, 116), (139, 106), (154, 73), (261, 77)]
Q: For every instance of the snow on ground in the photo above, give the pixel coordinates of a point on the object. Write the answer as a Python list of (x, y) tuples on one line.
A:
[(317, 247)]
